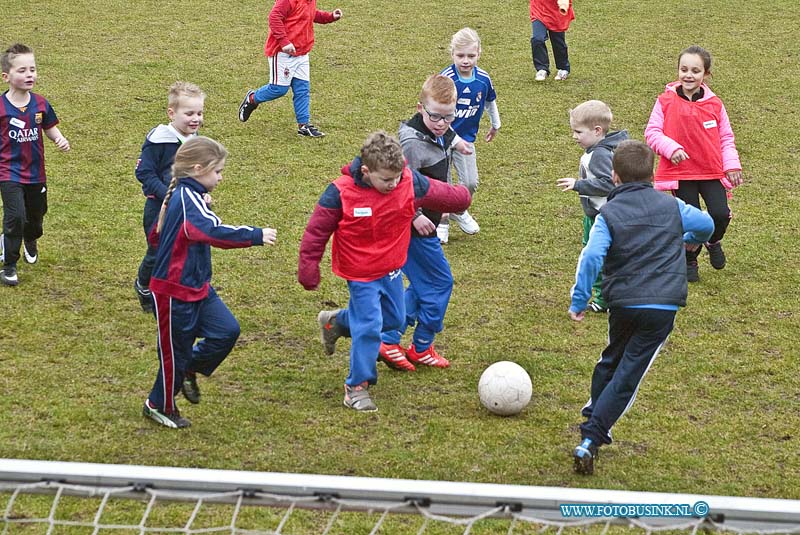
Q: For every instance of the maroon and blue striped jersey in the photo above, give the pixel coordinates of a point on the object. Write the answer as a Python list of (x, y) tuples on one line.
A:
[(22, 139)]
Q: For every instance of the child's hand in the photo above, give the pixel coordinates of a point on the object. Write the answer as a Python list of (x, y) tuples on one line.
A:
[(207, 199), (566, 184), (62, 143), (337, 14), (423, 225), (576, 316), (678, 156), (269, 234), (563, 6), (289, 49), (464, 148), (490, 135), (734, 177)]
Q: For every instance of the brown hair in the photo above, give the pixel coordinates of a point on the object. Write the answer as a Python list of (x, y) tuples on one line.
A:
[(438, 88), (633, 161), (698, 51), (198, 150), (382, 151), (17, 49)]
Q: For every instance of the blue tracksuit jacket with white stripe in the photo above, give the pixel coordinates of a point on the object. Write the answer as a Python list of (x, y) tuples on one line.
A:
[(183, 261)]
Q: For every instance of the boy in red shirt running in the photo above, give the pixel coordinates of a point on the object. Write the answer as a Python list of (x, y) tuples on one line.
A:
[(290, 39)]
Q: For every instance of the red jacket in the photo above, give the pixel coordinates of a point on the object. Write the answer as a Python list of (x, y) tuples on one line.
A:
[(371, 231), (292, 21), (547, 12)]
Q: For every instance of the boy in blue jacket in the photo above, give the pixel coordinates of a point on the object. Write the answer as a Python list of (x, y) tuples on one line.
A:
[(638, 241), (185, 103)]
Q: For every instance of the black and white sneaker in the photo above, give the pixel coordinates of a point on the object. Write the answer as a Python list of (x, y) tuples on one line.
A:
[(190, 389), (309, 130), (145, 297), (31, 251), (8, 276), (173, 420), (2, 249), (247, 106)]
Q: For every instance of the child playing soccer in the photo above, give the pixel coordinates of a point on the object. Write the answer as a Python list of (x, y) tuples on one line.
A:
[(185, 105), (550, 17), (187, 307), (428, 143), (368, 211), (638, 241), (475, 93), (289, 42), (25, 118), (590, 122), (690, 131)]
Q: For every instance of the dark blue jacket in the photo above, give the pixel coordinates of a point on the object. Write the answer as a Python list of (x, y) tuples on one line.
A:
[(183, 261)]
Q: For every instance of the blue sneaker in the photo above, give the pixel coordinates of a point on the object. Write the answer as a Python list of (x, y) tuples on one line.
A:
[(584, 457)]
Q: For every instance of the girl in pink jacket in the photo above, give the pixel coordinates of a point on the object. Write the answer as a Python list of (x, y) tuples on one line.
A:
[(690, 131)]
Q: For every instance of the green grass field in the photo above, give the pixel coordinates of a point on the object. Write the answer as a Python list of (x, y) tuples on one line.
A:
[(718, 412)]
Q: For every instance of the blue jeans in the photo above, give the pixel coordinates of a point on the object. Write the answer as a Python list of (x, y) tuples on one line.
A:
[(541, 61)]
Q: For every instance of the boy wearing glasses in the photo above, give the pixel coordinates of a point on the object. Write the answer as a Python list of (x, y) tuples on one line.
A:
[(428, 143)]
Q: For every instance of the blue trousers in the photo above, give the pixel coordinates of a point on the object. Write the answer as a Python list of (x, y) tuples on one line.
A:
[(374, 307), (301, 97), (180, 324), (430, 283), (635, 336), (541, 61), (152, 207)]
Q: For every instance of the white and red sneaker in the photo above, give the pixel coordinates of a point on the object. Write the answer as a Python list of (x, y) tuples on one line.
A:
[(395, 357), (429, 357)]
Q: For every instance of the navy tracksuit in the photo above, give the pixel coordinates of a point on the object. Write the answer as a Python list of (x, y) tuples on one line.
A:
[(638, 240), (187, 307)]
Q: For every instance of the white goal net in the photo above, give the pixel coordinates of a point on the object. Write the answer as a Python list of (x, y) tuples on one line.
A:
[(76, 498)]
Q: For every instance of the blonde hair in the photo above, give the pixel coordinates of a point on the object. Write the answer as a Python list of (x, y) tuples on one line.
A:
[(11, 53), (464, 38), (199, 150), (382, 151), (438, 88), (180, 90), (592, 113)]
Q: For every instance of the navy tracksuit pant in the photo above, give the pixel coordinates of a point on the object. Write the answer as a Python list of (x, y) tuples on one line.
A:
[(180, 324), (635, 336)]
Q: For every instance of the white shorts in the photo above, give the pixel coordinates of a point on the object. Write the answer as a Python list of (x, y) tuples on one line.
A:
[(283, 67)]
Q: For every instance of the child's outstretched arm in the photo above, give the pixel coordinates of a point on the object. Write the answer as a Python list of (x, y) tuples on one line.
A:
[(54, 135), (698, 226), (202, 225), (326, 17), (590, 262), (439, 196), (322, 224)]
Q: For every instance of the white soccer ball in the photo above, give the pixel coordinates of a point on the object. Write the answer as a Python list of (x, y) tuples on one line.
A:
[(505, 388)]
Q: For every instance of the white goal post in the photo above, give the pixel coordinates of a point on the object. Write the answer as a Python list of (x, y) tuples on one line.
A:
[(434, 499)]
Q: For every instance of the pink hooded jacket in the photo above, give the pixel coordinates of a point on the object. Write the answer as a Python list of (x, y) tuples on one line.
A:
[(701, 128)]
